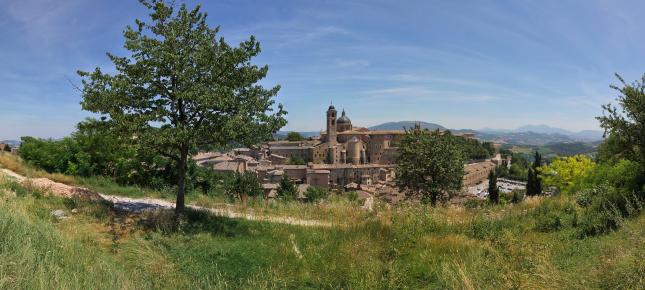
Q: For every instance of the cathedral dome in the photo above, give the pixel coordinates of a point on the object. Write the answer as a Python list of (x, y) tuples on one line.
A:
[(343, 119)]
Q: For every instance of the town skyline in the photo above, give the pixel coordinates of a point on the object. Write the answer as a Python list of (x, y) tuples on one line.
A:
[(492, 65)]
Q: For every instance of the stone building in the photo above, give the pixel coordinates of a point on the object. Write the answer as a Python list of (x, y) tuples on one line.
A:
[(342, 155)]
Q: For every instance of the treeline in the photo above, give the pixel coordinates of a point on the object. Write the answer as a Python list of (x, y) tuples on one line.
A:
[(473, 148), (95, 150), (570, 148)]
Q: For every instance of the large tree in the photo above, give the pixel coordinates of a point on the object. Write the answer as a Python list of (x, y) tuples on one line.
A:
[(625, 123), (430, 164), (182, 87)]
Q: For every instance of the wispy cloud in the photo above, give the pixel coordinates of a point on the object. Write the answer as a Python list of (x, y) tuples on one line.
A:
[(351, 62), (422, 93)]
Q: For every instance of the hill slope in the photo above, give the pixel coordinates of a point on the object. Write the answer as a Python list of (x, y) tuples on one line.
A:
[(400, 125)]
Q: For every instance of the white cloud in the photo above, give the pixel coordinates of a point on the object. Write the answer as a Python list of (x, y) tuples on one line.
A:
[(421, 93)]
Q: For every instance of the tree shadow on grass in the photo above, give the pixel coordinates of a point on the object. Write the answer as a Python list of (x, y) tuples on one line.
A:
[(191, 222)]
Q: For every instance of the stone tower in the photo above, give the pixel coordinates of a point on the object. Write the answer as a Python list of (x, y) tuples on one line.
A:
[(331, 135), (331, 126)]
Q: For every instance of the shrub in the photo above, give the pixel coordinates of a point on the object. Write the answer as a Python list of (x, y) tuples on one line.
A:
[(623, 174), (474, 203), (553, 215), (352, 196), (315, 194), (517, 195), (605, 208), (287, 189)]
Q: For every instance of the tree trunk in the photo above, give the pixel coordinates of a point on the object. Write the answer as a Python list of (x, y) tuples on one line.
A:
[(181, 191)]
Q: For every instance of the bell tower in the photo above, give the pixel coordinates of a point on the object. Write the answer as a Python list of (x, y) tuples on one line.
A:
[(331, 126), (331, 135)]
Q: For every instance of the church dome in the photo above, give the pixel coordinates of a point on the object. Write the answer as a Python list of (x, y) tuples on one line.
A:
[(343, 119)]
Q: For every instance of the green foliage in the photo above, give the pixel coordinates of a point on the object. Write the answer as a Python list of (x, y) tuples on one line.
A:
[(534, 183), (490, 147), (569, 148), (623, 174), (625, 124), (294, 136), (182, 88), (553, 215), (204, 178), (243, 185), (517, 195), (605, 208), (316, 194), (287, 189), (566, 173), (614, 148), (493, 189), (472, 148), (430, 164), (296, 160), (93, 149), (352, 196), (518, 169)]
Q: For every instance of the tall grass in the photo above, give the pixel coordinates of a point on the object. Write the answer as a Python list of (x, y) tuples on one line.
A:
[(410, 246), (17, 165)]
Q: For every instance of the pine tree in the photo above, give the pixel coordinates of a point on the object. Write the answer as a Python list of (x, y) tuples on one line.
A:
[(493, 190)]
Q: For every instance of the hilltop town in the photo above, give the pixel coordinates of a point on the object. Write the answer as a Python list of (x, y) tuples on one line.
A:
[(344, 157), (174, 171)]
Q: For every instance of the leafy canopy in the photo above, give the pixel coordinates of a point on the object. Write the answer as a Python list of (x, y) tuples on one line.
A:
[(294, 136), (430, 164), (625, 123), (182, 87), (567, 173)]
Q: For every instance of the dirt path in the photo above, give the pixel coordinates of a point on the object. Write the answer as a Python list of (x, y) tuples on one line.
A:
[(144, 204)]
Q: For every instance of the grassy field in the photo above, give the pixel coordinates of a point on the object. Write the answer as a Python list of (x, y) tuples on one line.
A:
[(410, 246), (533, 244)]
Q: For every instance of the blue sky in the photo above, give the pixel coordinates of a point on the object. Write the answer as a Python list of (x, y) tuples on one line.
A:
[(462, 64)]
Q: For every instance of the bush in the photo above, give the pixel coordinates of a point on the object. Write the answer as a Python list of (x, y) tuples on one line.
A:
[(316, 194), (287, 189), (352, 196), (474, 203), (623, 174), (605, 208), (517, 195), (553, 215)]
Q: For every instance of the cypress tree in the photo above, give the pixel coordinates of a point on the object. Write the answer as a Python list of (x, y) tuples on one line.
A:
[(537, 183), (529, 182), (493, 190)]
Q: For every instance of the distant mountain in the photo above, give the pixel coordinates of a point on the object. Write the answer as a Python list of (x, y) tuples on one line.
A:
[(544, 129), (406, 125), (589, 135), (12, 143), (522, 138), (586, 135), (535, 135)]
